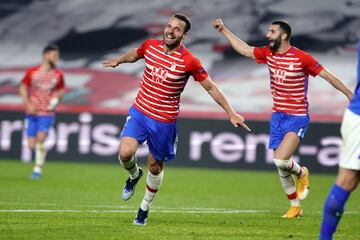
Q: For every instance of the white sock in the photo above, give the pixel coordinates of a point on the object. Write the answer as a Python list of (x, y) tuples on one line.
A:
[(289, 166), (40, 154), (288, 184), (153, 183), (37, 169), (131, 166)]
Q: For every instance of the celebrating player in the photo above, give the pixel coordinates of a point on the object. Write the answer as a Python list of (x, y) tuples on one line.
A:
[(289, 69), (349, 166), (153, 116), (41, 90)]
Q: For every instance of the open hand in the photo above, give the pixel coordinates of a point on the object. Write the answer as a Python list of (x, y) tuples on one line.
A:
[(113, 62)]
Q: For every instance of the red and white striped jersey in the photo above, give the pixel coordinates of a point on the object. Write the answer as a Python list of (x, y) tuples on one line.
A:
[(164, 79), (289, 73), (42, 86)]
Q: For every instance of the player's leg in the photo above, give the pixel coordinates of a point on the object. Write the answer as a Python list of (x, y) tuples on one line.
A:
[(346, 182), (348, 176), (133, 134), (127, 158), (162, 143), (31, 130), (286, 168), (31, 142), (40, 154), (153, 181), (31, 125), (44, 124), (282, 155), (127, 150)]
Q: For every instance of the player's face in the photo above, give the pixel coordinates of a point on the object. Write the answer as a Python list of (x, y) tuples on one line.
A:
[(52, 57), (274, 35), (174, 32)]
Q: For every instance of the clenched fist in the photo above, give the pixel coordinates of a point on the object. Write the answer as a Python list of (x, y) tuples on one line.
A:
[(219, 25)]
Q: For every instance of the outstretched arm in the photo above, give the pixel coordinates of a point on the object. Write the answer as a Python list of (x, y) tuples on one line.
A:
[(336, 83), (129, 57), (219, 97), (239, 45)]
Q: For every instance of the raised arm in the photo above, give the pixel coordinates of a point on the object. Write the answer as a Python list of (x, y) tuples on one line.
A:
[(336, 83), (129, 57), (219, 97), (239, 45)]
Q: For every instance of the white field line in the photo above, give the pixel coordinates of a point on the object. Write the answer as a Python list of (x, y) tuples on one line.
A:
[(129, 209)]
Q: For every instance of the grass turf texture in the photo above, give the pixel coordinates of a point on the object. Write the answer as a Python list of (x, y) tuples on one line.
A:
[(191, 204)]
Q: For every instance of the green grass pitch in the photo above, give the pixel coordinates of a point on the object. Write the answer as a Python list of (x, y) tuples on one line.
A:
[(82, 201)]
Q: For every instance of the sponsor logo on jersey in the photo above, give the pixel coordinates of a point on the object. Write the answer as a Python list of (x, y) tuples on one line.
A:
[(159, 74), (279, 75)]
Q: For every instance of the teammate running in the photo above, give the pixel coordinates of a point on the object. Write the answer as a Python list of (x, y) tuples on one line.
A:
[(289, 69), (41, 90), (153, 116)]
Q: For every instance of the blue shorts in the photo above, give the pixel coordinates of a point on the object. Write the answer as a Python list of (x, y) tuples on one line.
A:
[(282, 123), (35, 124), (161, 137)]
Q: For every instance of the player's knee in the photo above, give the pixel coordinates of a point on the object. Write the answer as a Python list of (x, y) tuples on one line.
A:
[(155, 168), (40, 138), (281, 164), (31, 145), (125, 153)]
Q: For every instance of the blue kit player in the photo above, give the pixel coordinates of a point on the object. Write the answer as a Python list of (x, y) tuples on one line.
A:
[(349, 165)]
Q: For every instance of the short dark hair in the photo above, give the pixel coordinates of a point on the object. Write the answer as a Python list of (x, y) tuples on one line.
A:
[(185, 19), (285, 26), (50, 47)]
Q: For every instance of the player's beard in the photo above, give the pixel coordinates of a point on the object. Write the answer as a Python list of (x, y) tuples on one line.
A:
[(276, 44), (173, 45), (52, 64)]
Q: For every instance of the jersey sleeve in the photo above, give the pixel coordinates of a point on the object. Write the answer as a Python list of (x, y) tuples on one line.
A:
[(196, 69), (27, 78), (260, 54), (311, 65), (141, 50)]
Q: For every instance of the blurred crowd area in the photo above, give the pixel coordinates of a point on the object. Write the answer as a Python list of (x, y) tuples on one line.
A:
[(89, 31)]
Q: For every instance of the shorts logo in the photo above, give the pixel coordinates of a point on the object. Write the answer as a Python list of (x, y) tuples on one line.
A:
[(301, 133), (159, 74), (279, 75)]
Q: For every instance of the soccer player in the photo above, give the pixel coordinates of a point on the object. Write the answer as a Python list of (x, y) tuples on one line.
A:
[(349, 165), (153, 116), (41, 90), (289, 69)]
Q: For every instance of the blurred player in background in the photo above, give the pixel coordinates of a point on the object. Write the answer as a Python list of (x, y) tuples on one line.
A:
[(41, 90), (349, 165), (289, 69), (153, 116)]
